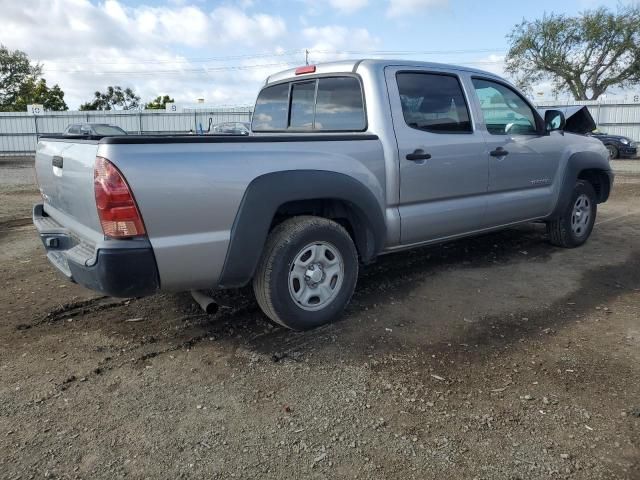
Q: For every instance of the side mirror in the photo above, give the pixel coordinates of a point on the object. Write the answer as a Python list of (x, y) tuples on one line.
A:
[(554, 120)]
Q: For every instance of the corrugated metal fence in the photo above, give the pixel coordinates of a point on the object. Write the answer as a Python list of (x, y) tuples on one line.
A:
[(613, 118), (19, 131)]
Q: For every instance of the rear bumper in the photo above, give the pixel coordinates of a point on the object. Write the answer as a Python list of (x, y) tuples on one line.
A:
[(125, 269)]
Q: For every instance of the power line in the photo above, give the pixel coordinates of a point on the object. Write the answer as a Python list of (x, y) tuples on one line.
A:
[(174, 71), (205, 70), (410, 52), (185, 60), (288, 53)]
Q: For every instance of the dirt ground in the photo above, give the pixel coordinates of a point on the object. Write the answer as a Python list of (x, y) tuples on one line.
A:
[(499, 357)]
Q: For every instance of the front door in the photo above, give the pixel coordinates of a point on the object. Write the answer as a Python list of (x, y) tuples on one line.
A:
[(443, 160), (523, 159)]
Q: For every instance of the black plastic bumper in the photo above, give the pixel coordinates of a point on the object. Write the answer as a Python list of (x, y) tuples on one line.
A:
[(119, 268), (119, 272)]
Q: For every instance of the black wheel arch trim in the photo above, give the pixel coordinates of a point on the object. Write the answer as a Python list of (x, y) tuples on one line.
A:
[(266, 193), (578, 163)]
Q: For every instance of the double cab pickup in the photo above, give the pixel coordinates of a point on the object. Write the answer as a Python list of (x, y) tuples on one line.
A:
[(345, 161)]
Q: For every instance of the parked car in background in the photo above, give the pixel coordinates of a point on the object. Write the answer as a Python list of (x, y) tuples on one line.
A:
[(93, 130), (579, 120), (346, 161), (231, 128), (617, 145)]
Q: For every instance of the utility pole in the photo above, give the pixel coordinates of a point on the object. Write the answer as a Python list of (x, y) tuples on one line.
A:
[(306, 57)]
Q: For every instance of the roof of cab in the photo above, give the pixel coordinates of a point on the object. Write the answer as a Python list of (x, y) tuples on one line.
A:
[(352, 66)]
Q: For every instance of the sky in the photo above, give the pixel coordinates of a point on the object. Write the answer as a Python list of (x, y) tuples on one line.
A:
[(223, 50)]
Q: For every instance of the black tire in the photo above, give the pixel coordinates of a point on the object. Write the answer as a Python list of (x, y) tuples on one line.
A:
[(613, 151), (271, 281), (560, 229)]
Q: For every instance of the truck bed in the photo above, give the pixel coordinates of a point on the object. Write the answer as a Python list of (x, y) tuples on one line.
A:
[(188, 188)]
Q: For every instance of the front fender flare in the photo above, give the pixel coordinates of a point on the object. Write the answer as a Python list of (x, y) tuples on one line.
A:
[(577, 163)]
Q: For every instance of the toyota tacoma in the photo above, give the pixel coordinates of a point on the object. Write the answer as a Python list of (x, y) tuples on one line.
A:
[(346, 161)]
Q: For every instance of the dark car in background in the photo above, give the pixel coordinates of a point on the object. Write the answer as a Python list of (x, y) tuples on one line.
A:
[(617, 145), (93, 129), (579, 120)]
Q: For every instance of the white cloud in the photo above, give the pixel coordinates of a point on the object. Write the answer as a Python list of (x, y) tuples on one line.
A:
[(180, 25), (232, 24), (333, 42), (491, 63), (400, 8), (348, 6), (86, 46)]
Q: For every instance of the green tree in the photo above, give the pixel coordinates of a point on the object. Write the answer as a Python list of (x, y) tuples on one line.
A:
[(38, 92), (112, 98), (585, 55), (15, 71), (159, 103)]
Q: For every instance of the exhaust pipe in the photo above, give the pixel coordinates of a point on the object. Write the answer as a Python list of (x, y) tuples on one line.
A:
[(207, 303)]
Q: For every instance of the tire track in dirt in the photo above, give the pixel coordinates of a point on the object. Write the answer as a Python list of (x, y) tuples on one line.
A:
[(15, 224), (74, 309)]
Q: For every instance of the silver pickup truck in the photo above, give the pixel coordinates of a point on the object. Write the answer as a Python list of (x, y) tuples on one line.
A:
[(346, 161)]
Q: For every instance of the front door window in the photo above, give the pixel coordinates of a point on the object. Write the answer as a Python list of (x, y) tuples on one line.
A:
[(505, 112)]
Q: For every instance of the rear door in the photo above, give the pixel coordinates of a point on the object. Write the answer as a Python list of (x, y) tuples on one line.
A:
[(443, 160), (523, 159)]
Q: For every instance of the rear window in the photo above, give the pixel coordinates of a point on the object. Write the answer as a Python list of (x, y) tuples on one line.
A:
[(302, 105), (339, 105), (272, 108), (325, 104)]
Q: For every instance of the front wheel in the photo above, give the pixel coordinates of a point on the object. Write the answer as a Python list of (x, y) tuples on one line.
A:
[(573, 226), (307, 272), (613, 151)]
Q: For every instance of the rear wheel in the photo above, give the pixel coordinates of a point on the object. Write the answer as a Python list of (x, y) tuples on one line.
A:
[(573, 226), (307, 272), (613, 151)]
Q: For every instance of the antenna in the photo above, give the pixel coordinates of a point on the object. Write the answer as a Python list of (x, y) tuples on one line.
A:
[(306, 56)]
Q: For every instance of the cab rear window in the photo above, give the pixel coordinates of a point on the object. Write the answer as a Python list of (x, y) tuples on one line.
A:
[(328, 104)]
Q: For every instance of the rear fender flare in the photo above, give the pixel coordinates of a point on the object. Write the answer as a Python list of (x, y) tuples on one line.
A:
[(265, 194)]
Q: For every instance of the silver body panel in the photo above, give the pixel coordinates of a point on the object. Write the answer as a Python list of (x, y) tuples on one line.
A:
[(190, 193)]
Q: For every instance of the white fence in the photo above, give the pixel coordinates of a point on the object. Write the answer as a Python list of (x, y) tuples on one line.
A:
[(614, 118), (19, 131)]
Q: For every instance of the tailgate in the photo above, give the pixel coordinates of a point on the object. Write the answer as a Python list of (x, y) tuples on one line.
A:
[(64, 170)]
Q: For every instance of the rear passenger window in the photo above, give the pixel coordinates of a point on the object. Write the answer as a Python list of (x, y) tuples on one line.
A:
[(324, 104), (433, 102), (272, 108), (339, 105)]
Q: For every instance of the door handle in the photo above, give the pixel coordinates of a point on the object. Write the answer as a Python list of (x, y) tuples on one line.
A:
[(57, 161), (498, 152), (418, 154)]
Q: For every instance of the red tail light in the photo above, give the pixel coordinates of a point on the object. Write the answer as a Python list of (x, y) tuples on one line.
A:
[(117, 209)]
